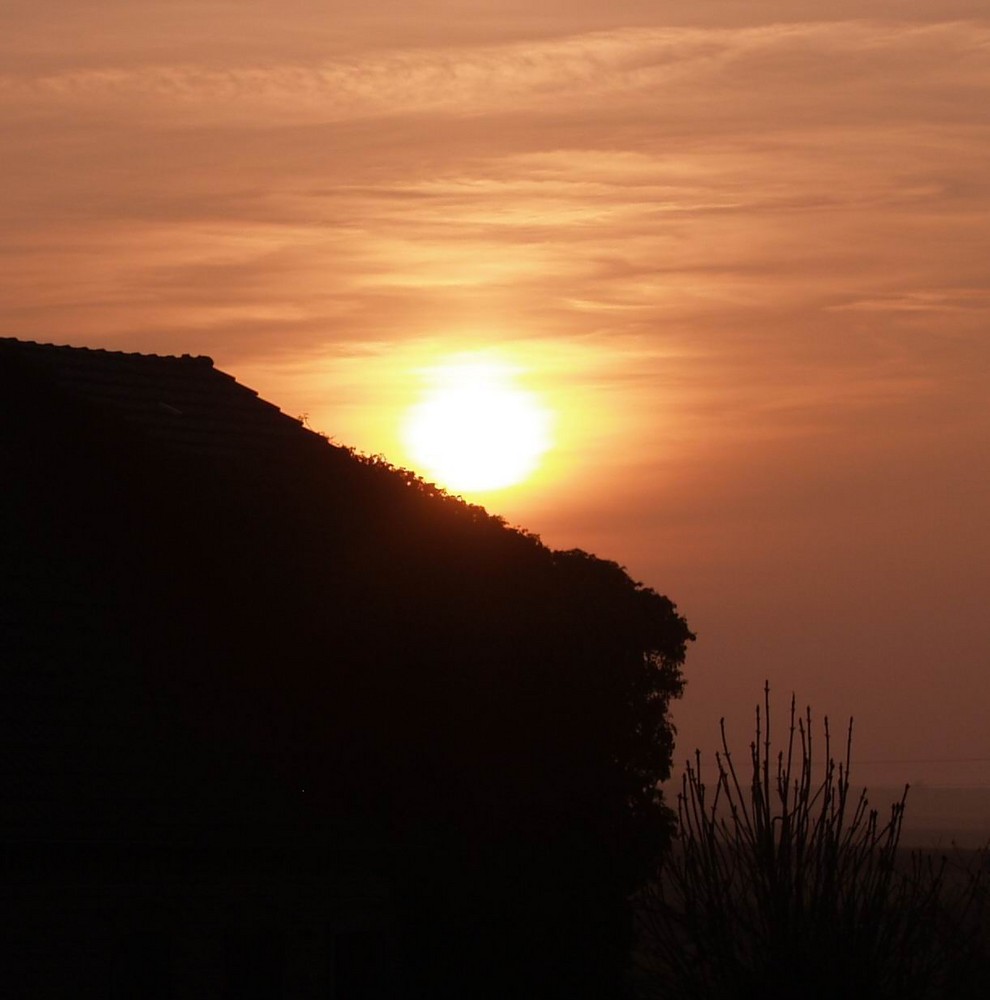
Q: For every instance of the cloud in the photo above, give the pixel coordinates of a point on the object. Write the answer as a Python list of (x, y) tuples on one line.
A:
[(827, 62), (743, 245), (748, 199)]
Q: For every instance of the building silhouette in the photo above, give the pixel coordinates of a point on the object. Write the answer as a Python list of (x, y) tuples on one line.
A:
[(283, 721)]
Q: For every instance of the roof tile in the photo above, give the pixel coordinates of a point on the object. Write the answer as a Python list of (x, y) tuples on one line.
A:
[(184, 402)]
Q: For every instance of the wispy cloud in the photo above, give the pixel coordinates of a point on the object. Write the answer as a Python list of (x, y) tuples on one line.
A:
[(826, 62), (744, 243), (722, 188)]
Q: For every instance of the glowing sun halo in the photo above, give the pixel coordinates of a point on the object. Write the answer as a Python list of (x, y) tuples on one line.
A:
[(475, 429)]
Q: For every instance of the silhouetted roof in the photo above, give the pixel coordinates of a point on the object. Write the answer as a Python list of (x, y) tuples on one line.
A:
[(64, 568), (184, 402)]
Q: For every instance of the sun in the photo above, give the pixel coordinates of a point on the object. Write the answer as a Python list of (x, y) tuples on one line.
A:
[(476, 429)]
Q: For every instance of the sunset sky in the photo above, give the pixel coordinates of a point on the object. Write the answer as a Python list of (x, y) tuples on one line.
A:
[(741, 250)]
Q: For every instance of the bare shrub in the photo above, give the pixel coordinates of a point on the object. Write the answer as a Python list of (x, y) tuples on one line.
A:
[(792, 886)]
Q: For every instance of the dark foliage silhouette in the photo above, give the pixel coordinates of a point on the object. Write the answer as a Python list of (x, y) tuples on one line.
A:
[(257, 661), (784, 883)]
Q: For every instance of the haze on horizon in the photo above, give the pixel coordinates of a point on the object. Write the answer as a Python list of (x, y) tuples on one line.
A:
[(743, 248)]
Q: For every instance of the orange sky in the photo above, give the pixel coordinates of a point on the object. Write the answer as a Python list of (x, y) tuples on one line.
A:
[(742, 246)]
